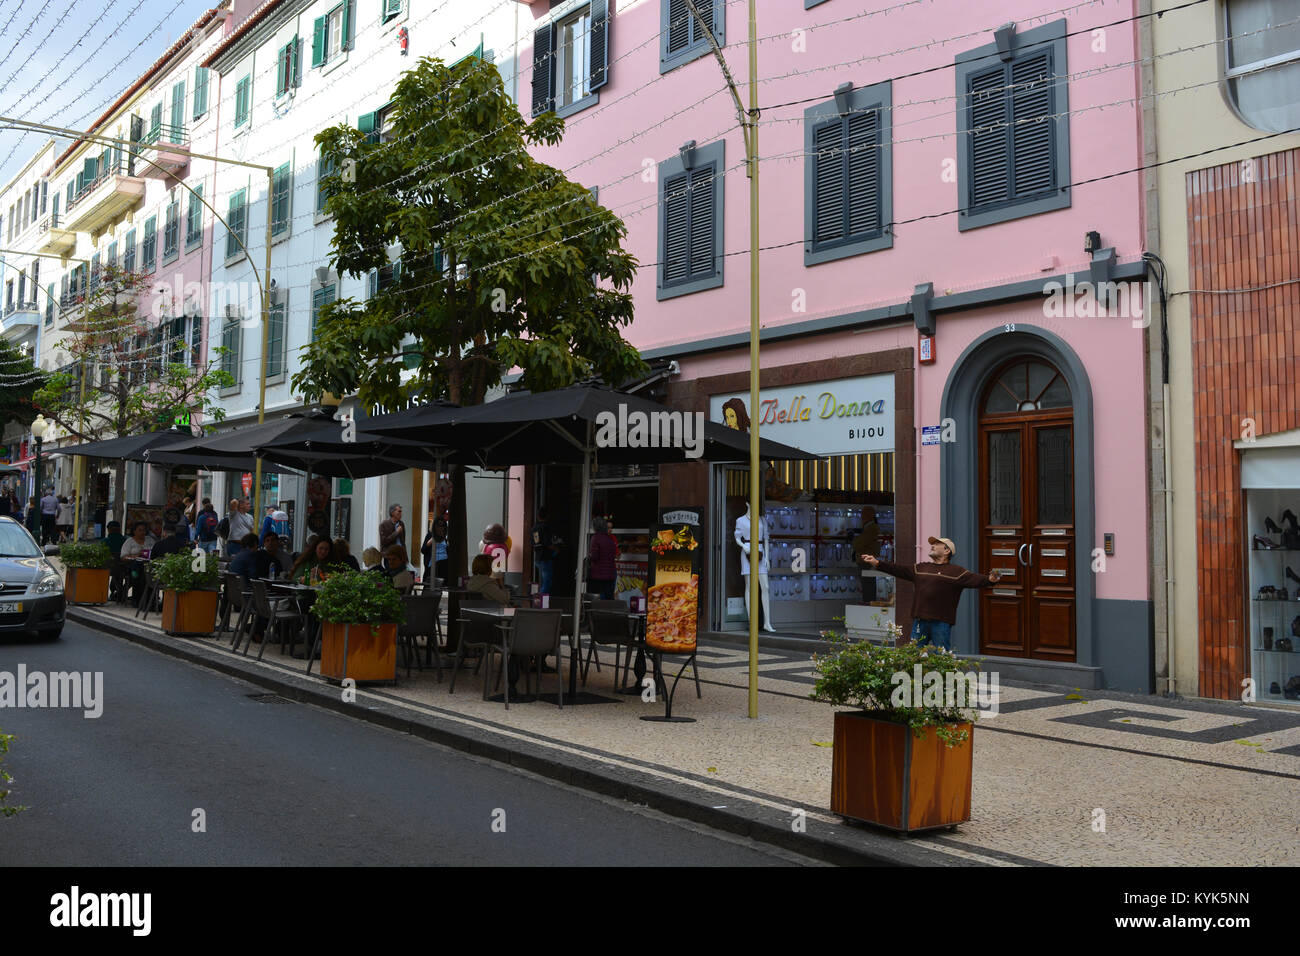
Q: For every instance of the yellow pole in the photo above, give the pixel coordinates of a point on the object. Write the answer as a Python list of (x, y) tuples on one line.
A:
[(266, 328), (755, 475)]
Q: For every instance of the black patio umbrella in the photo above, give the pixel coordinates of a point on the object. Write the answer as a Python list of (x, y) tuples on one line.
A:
[(564, 425), (581, 424), (129, 447)]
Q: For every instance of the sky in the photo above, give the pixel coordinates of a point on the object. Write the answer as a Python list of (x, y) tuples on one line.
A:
[(64, 61)]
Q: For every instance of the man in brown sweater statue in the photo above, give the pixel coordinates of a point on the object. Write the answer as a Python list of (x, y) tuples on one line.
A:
[(938, 584)]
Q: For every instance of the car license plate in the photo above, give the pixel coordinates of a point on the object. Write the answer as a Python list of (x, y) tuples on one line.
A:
[(11, 608)]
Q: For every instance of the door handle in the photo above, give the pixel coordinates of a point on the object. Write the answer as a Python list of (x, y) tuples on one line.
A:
[(1020, 554), (1031, 554)]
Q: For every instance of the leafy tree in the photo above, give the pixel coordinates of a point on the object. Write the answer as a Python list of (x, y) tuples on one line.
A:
[(19, 381), (504, 262), (138, 376)]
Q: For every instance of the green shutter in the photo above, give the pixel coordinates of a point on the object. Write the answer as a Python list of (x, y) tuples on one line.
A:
[(155, 122), (178, 112), (295, 71), (346, 40), (318, 42), (200, 91), (366, 124)]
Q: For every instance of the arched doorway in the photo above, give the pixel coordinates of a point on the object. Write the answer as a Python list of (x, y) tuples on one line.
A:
[(1027, 511)]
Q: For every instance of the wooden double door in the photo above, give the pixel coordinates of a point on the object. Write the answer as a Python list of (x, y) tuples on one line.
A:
[(1027, 530)]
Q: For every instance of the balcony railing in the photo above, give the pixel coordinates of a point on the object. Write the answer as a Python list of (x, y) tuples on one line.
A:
[(47, 223), (12, 307), (105, 172), (165, 133)]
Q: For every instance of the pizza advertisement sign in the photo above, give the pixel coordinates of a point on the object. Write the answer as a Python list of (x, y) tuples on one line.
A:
[(673, 595)]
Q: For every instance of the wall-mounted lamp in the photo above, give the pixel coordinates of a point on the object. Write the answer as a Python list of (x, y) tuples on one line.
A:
[(1005, 38), (1091, 241), (688, 155), (842, 98), (322, 275)]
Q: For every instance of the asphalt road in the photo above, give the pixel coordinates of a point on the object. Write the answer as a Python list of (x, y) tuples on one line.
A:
[(283, 783)]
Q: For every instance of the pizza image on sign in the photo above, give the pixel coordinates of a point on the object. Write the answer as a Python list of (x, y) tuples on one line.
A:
[(671, 616)]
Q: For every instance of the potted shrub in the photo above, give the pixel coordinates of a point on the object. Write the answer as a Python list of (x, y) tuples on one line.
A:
[(190, 591), (902, 757), (87, 572), (359, 612)]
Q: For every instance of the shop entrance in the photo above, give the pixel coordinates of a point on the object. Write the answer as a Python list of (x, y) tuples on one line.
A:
[(1027, 530)]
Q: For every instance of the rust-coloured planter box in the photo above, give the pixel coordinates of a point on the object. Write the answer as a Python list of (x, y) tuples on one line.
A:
[(86, 585), (371, 651), (883, 773), (189, 612)]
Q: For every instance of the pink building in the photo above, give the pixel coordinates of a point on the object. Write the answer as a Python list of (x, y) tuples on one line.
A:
[(939, 192)]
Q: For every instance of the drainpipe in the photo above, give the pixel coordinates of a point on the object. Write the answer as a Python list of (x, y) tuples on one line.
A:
[(1159, 273)]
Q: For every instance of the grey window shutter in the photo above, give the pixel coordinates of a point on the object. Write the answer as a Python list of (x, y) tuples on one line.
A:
[(862, 188), (989, 175), (599, 44), (676, 229), (1032, 134), (828, 181), (681, 26), (701, 229), (543, 70)]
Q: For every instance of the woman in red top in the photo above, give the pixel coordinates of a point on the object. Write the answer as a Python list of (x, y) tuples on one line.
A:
[(600, 560)]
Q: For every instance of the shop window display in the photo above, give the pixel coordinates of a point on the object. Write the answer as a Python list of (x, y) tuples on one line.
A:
[(1274, 579)]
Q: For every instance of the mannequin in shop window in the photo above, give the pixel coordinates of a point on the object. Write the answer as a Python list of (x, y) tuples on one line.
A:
[(761, 561)]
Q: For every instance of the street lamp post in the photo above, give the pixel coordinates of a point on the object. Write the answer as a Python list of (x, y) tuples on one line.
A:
[(38, 430)]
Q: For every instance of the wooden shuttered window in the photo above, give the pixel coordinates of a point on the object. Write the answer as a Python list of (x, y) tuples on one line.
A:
[(1011, 132), (201, 80), (275, 336), (243, 100), (847, 188), (543, 70), (682, 32), (690, 232), (280, 189)]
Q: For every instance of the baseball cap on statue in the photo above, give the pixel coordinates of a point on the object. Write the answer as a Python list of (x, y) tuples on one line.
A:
[(947, 543)]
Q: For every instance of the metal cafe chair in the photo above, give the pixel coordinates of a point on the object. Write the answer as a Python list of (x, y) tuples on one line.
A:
[(238, 602), (603, 604), (610, 628), (476, 631), (275, 612), (533, 634), (421, 621), (151, 593)]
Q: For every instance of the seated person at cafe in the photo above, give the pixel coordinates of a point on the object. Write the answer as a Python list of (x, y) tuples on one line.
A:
[(372, 560), (176, 541), (140, 541), (314, 564), (115, 538), (483, 584), (395, 566), (255, 562), (343, 554)]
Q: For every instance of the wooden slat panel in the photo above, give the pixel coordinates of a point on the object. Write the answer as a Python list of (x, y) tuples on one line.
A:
[(1242, 233)]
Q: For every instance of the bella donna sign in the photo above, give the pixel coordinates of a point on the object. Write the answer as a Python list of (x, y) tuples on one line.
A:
[(848, 416)]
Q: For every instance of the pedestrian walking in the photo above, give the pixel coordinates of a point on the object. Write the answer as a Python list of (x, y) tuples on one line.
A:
[(63, 523), (544, 551), (205, 528), (49, 518), (938, 586)]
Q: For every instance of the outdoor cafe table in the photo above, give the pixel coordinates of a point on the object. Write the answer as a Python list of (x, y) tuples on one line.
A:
[(504, 618), (304, 595)]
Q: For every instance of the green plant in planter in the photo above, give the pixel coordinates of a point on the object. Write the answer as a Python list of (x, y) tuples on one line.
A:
[(359, 597), (88, 554), (177, 572), (882, 681)]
